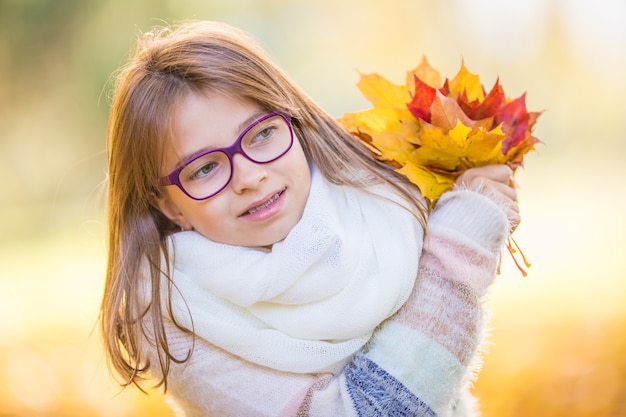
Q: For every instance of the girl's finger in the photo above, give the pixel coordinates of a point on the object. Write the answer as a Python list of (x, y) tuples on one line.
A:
[(499, 173), (505, 189)]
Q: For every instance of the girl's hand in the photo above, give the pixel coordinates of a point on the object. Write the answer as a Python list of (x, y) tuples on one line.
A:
[(496, 182)]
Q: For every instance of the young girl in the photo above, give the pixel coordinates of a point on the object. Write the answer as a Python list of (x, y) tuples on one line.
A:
[(262, 263)]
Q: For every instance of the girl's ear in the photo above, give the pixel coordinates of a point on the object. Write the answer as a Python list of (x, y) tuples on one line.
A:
[(166, 206)]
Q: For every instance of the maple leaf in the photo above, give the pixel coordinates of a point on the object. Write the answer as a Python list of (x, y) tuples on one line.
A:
[(425, 73), (382, 93), (432, 131), (445, 112), (431, 183), (467, 83), (423, 98), (488, 107), (389, 129)]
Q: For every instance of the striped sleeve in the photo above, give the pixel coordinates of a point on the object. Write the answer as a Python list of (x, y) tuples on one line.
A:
[(426, 354), (429, 345)]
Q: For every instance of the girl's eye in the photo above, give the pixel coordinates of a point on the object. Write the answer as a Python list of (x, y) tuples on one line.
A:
[(264, 134), (203, 171)]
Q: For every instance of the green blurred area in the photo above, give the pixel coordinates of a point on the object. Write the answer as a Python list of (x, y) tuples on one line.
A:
[(559, 340)]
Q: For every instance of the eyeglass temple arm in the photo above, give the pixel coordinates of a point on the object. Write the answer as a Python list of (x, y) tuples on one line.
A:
[(167, 180)]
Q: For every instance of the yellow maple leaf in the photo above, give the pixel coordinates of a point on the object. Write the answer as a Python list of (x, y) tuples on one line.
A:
[(389, 129), (424, 72), (468, 83), (382, 93), (430, 183)]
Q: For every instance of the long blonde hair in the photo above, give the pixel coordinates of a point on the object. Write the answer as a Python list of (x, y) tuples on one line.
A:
[(168, 64)]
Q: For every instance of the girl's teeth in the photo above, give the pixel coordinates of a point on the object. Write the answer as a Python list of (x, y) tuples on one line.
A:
[(266, 204)]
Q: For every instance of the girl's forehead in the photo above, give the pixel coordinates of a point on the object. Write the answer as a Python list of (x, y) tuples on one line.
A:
[(202, 121)]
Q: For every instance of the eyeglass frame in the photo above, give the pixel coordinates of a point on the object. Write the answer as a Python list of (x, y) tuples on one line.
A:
[(173, 178)]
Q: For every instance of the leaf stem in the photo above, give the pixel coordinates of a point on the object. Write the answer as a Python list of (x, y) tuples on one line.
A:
[(512, 250)]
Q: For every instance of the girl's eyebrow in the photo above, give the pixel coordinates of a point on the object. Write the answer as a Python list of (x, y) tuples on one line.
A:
[(253, 117), (247, 122)]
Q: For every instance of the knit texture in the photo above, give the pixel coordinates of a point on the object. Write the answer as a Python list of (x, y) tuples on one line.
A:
[(420, 362), (312, 301), (375, 392)]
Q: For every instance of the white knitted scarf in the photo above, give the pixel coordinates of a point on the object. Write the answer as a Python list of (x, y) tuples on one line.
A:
[(315, 298)]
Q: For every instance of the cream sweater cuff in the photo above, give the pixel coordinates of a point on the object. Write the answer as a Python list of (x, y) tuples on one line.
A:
[(473, 214)]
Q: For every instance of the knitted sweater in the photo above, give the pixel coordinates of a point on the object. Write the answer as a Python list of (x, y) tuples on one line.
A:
[(419, 362)]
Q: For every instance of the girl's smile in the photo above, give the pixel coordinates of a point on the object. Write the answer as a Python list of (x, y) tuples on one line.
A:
[(266, 209), (260, 204)]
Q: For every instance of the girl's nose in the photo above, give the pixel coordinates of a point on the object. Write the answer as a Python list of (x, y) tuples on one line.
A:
[(247, 175)]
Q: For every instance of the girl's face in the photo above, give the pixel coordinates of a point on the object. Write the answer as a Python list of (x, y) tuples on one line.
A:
[(260, 204)]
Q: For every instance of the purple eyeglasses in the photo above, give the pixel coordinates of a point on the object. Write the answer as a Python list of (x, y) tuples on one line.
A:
[(204, 175)]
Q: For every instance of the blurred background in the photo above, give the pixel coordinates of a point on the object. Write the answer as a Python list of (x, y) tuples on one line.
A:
[(559, 335)]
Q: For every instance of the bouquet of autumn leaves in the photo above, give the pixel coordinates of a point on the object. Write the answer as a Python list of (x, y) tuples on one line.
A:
[(432, 130)]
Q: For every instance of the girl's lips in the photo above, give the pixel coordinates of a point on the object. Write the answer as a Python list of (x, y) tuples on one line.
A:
[(262, 210)]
